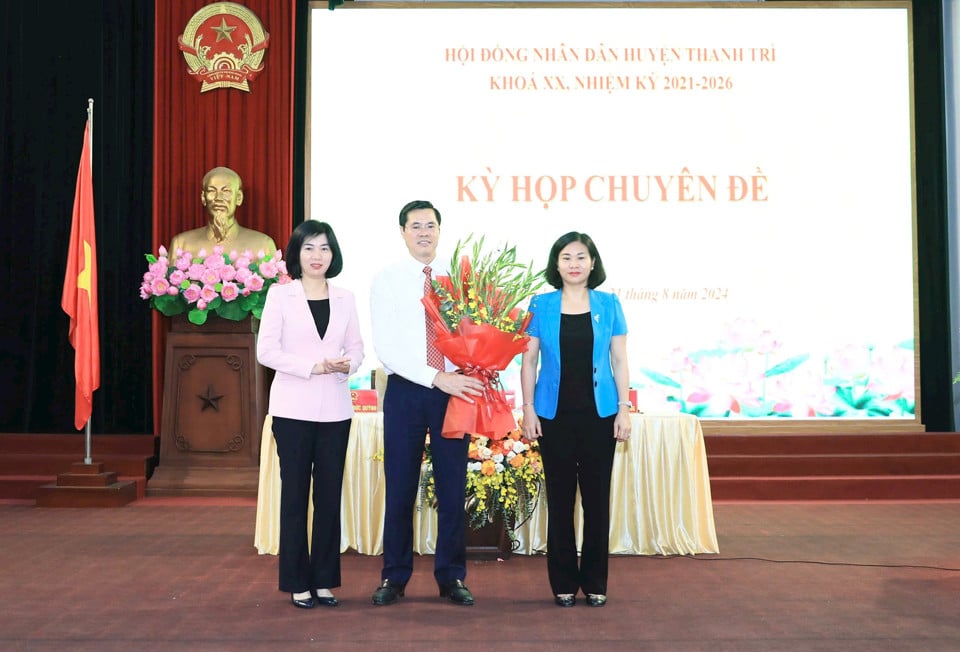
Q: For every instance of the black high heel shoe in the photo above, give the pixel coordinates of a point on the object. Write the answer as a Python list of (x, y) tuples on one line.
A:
[(565, 600), (327, 601), (302, 603), (596, 599)]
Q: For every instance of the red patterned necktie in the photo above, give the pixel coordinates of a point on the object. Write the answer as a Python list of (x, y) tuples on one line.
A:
[(434, 357)]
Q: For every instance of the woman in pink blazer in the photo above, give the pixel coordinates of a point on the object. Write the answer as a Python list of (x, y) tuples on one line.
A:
[(309, 333)]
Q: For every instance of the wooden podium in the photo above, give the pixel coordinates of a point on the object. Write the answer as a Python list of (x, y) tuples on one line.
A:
[(214, 404)]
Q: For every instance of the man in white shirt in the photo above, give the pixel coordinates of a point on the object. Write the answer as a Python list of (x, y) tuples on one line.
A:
[(419, 386)]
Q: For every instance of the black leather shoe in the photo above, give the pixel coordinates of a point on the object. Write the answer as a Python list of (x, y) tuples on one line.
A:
[(305, 603), (456, 592), (388, 593), (565, 600), (328, 601), (596, 599)]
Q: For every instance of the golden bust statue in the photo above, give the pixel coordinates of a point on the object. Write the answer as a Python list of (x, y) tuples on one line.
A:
[(222, 192)]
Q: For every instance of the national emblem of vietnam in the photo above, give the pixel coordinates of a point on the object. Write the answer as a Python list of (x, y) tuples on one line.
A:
[(224, 44)]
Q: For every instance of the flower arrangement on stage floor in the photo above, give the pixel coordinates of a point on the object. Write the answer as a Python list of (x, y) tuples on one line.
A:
[(481, 327), (231, 285), (504, 477)]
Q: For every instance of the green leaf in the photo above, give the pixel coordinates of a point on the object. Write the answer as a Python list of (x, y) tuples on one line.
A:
[(248, 302), (867, 400), (877, 411), (698, 410), (786, 365), (231, 310), (765, 409), (169, 305), (198, 317), (712, 353), (906, 406), (660, 379), (846, 395)]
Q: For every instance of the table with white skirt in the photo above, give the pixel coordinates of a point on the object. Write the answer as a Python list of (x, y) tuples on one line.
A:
[(660, 501)]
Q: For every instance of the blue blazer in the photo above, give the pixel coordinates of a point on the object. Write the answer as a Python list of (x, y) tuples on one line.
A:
[(607, 319)]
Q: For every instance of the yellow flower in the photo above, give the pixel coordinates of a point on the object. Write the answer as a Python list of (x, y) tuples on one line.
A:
[(510, 489)]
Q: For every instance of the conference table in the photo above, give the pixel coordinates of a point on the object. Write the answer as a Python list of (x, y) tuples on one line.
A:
[(660, 493)]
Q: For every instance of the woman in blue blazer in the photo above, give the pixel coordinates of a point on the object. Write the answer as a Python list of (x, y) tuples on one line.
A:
[(577, 406)]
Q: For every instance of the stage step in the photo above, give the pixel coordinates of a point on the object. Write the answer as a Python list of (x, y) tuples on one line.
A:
[(75, 443), (917, 487), (846, 443), (29, 462), (909, 466), (116, 494), (26, 487), (23, 487), (835, 465), (56, 463), (888, 466)]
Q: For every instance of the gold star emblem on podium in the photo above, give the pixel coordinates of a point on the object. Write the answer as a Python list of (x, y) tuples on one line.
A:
[(210, 400)]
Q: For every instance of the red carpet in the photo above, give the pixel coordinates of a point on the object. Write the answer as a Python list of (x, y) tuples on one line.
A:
[(182, 574)]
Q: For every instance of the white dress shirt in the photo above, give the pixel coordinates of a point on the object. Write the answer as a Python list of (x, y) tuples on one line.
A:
[(399, 320)]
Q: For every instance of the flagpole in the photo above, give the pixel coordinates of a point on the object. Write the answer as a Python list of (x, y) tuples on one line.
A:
[(87, 484), (88, 438)]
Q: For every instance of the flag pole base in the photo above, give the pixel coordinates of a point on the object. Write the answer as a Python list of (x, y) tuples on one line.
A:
[(87, 485)]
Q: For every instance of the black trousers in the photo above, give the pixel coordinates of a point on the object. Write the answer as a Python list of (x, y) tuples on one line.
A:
[(310, 450), (577, 449)]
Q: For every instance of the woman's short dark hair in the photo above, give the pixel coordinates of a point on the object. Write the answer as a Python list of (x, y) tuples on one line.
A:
[(552, 274), (301, 234), (416, 205)]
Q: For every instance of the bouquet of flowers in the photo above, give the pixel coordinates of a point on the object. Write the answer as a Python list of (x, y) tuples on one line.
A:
[(481, 327), (233, 286), (503, 477)]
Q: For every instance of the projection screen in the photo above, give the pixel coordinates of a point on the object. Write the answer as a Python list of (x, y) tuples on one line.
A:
[(745, 171)]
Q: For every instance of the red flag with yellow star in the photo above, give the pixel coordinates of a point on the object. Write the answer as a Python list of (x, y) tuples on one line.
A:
[(79, 299)]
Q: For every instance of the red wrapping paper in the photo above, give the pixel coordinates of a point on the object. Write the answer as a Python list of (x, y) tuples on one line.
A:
[(480, 351)]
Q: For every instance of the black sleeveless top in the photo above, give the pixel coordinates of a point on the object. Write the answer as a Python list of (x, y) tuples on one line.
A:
[(321, 314), (576, 363)]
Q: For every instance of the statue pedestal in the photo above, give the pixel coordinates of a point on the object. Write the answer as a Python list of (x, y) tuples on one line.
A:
[(214, 404)]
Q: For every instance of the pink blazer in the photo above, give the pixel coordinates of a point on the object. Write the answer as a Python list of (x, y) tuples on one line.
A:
[(288, 343)]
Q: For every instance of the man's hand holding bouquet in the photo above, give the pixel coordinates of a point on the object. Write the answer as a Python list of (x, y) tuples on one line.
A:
[(481, 327)]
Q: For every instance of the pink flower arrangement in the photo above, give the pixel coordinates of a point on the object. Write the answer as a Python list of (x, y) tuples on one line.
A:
[(232, 285)]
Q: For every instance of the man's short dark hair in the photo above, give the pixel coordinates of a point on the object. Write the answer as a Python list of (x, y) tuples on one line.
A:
[(414, 206)]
